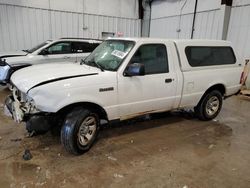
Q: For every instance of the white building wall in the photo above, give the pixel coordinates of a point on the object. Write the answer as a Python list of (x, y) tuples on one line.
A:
[(25, 23), (239, 27), (173, 19)]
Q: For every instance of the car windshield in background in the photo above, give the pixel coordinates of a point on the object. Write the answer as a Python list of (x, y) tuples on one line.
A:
[(110, 54), (38, 46)]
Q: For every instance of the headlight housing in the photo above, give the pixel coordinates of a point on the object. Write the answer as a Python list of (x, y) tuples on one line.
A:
[(27, 103), (31, 106)]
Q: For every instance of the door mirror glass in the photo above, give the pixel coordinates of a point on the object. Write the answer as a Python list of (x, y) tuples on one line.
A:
[(135, 69), (44, 52)]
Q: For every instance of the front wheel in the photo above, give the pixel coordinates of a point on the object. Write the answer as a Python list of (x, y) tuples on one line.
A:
[(209, 106), (79, 130)]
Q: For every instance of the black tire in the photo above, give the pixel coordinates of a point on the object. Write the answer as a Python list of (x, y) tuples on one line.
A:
[(72, 129), (202, 109)]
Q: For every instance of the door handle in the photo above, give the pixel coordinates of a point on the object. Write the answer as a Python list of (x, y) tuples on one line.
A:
[(168, 80), (66, 57)]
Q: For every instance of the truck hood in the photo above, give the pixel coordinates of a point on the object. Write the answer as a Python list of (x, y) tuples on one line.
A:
[(12, 54), (34, 76)]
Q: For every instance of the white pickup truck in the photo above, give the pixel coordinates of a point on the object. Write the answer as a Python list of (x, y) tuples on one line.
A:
[(121, 79)]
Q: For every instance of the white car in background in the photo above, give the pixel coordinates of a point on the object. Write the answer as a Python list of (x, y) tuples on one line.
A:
[(50, 51)]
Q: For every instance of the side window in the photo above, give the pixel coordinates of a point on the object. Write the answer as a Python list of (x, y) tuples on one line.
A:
[(83, 47), (60, 48), (153, 56), (208, 56)]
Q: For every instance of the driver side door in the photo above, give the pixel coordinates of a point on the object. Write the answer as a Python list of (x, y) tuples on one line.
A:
[(155, 91)]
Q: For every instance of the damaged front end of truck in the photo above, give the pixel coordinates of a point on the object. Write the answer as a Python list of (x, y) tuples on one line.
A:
[(22, 108)]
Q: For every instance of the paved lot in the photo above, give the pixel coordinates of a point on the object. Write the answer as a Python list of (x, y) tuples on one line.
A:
[(168, 150)]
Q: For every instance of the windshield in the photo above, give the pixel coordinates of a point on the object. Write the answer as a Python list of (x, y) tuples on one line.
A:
[(38, 46), (110, 54)]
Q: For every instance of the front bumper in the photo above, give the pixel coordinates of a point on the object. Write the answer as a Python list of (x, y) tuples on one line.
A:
[(40, 122)]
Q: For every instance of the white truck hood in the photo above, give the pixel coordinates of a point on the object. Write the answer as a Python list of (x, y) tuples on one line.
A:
[(27, 78), (12, 54)]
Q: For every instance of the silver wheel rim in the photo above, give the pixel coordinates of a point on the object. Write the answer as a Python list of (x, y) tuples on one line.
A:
[(212, 105), (87, 130)]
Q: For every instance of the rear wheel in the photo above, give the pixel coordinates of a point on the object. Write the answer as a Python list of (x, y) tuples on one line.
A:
[(79, 130), (209, 106)]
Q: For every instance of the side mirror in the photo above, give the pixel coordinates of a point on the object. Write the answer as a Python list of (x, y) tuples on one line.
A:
[(135, 69), (44, 52), (2, 62)]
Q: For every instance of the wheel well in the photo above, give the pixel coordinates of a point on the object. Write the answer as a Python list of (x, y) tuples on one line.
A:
[(91, 106), (219, 87)]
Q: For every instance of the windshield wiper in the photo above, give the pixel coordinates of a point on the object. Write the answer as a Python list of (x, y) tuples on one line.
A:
[(92, 62)]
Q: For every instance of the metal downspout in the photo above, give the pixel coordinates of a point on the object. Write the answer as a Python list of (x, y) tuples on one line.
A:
[(150, 7), (195, 9)]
